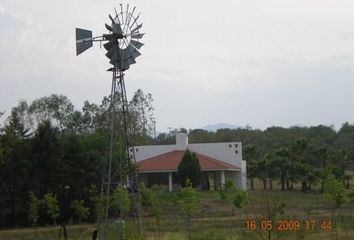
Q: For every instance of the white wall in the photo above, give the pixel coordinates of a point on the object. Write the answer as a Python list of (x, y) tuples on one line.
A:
[(181, 141), (222, 151), (144, 152), (242, 176)]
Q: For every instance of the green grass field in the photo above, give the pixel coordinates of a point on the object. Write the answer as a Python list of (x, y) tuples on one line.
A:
[(218, 220)]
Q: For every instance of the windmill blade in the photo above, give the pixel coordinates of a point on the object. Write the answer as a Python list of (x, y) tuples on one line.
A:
[(136, 54), (110, 53), (83, 40), (131, 16), (108, 45), (124, 65), (136, 44), (121, 13), (137, 28), (117, 28), (115, 10), (130, 51), (126, 14), (111, 18), (136, 19), (109, 28), (137, 35), (131, 61)]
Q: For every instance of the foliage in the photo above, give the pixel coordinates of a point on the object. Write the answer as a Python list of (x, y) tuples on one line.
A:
[(240, 198), (334, 192), (225, 190), (34, 206), (189, 204), (152, 201), (54, 108), (120, 200), (95, 201), (189, 168), (141, 113), (237, 196), (47, 144), (79, 209), (52, 205)]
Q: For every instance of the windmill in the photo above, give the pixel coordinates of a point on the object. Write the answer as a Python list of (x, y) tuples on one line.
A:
[(122, 43)]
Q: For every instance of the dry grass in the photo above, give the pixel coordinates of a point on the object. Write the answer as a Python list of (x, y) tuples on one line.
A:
[(215, 220)]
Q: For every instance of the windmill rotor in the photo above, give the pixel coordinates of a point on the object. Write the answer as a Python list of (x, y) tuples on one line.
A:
[(122, 42), (123, 39)]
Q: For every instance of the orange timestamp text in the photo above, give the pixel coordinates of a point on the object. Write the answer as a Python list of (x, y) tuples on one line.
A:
[(288, 225)]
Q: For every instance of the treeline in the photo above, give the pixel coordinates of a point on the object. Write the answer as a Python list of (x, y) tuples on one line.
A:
[(295, 156), (52, 155), (51, 152)]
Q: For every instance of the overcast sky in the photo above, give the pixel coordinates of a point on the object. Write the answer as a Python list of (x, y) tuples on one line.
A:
[(256, 62)]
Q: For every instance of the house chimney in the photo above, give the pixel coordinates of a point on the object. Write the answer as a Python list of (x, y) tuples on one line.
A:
[(181, 141)]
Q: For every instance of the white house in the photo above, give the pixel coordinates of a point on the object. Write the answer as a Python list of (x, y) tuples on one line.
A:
[(219, 162)]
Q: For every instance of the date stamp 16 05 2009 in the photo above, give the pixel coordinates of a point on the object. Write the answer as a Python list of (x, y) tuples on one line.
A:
[(288, 225)]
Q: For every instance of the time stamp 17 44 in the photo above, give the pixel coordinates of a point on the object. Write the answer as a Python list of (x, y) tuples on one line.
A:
[(288, 225)]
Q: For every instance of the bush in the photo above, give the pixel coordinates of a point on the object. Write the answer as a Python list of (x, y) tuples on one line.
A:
[(79, 209), (120, 200)]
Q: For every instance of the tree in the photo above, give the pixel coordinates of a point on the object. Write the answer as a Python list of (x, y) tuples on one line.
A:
[(79, 209), (336, 195), (34, 206), (189, 168), (91, 116), (120, 200), (141, 114), (282, 161), (240, 198), (262, 171), (151, 200), (55, 108), (237, 196), (299, 153), (46, 155), (189, 204), (95, 202), (251, 155), (14, 162), (52, 205)]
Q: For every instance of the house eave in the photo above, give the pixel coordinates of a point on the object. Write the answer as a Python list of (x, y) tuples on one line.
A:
[(203, 170)]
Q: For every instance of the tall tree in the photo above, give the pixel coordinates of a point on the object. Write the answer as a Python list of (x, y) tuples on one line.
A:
[(14, 153), (251, 154), (141, 114), (299, 156), (282, 161), (46, 156), (55, 108), (189, 168)]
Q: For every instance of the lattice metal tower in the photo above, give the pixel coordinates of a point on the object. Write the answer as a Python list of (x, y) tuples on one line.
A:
[(122, 44)]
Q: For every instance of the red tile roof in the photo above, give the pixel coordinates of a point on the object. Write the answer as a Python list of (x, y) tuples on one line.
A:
[(169, 162)]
